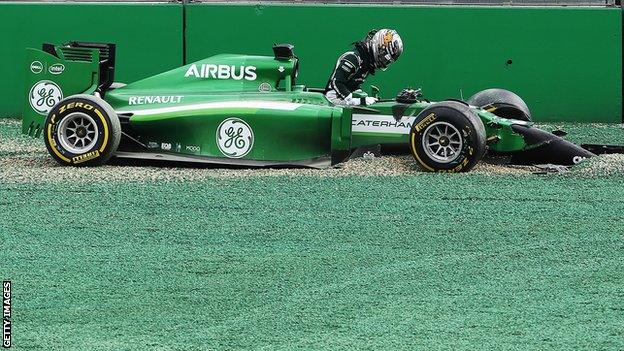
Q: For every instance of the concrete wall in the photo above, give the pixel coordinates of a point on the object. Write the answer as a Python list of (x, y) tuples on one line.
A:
[(565, 62)]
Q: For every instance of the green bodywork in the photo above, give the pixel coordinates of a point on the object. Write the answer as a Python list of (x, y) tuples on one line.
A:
[(498, 130), (179, 112)]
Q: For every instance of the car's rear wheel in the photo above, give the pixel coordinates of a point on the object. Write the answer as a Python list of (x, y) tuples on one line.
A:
[(447, 137), (82, 130), (502, 103)]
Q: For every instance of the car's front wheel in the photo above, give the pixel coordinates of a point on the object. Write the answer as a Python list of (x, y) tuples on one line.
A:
[(82, 130), (503, 103), (447, 137)]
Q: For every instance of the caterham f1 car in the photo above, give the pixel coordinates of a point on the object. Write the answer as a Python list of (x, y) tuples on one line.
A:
[(251, 111)]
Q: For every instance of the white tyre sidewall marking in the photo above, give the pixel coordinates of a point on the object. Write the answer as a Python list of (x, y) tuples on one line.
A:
[(235, 138)]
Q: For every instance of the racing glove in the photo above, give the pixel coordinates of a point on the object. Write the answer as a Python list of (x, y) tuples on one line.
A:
[(369, 100), (349, 100)]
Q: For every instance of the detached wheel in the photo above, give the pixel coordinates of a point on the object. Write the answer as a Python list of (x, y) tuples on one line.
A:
[(502, 103), (82, 130), (447, 137)]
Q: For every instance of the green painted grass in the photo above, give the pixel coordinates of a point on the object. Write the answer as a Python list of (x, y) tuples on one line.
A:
[(437, 261), (464, 261)]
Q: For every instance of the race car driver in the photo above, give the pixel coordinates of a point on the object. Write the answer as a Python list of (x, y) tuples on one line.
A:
[(378, 50)]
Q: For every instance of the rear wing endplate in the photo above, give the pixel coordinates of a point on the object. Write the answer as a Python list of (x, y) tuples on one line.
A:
[(58, 71)]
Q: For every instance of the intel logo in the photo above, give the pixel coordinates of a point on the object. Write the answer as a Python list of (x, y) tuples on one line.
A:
[(57, 68)]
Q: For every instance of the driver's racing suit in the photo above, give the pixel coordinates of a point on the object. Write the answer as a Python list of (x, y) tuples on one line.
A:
[(348, 75)]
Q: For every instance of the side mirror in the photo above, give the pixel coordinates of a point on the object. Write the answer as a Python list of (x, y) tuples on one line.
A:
[(375, 91)]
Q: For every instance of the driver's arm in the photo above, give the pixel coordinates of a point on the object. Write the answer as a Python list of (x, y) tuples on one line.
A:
[(339, 92)]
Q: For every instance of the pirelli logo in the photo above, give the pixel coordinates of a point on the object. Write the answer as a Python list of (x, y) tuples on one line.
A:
[(425, 122), (86, 157)]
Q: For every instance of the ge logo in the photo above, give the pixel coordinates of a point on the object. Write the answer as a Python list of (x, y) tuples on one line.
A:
[(234, 138), (44, 95)]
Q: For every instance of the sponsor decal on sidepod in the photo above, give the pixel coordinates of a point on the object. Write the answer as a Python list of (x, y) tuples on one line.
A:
[(381, 124), (193, 148), (141, 100), (222, 72), (235, 138)]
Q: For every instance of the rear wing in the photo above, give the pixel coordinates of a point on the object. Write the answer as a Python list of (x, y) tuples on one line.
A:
[(58, 71)]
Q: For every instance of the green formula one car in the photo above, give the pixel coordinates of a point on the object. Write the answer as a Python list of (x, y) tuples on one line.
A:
[(250, 111)]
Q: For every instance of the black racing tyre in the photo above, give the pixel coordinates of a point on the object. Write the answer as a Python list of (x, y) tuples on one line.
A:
[(502, 103), (82, 130), (447, 137)]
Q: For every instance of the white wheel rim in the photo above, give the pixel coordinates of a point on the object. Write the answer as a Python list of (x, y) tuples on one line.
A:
[(442, 142), (78, 133)]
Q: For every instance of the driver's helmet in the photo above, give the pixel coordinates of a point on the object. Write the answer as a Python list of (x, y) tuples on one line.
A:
[(387, 46)]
